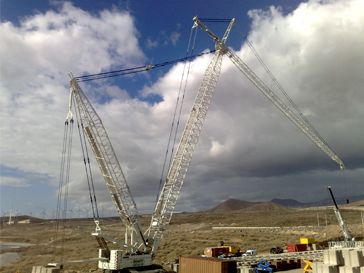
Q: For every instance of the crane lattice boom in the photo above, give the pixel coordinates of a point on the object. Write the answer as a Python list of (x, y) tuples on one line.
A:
[(189, 139), (108, 162), (297, 119)]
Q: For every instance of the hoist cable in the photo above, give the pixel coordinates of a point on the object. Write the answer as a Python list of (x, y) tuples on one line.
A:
[(278, 86), (92, 190), (285, 94), (174, 114), (138, 69), (183, 96), (281, 89), (61, 179), (272, 77), (63, 183), (68, 166), (92, 182), (83, 143)]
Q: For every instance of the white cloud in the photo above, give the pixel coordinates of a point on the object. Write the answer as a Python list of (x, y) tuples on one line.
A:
[(151, 43), (164, 39), (35, 58), (246, 144), (315, 52), (11, 181), (175, 37)]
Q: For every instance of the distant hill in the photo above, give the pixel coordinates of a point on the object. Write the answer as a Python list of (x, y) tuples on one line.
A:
[(233, 205), (339, 200), (289, 202), (325, 202)]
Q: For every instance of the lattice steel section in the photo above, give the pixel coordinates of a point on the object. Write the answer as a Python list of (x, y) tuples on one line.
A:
[(342, 224), (275, 99), (108, 163), (177, 172)]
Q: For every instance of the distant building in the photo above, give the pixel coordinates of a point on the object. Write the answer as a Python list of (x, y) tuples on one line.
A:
[(26, 221)]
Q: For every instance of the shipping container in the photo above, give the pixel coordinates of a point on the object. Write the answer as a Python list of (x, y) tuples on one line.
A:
[(216, 251), (296, 247), (206, 265)]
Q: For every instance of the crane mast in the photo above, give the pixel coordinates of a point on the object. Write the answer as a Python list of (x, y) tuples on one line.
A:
[(297, 119), (177, 172), (344, 228), (108, 163)]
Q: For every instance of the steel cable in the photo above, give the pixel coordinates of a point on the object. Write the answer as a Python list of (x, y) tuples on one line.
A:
[(83, 144), (134, 70), (188, 53)]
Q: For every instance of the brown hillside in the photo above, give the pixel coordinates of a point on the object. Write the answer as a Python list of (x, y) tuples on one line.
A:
[(265, 206)]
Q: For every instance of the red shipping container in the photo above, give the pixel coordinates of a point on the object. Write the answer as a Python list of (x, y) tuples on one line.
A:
[(296, 247)]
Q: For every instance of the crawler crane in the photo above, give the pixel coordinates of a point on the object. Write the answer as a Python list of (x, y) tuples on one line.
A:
[(139, 248)]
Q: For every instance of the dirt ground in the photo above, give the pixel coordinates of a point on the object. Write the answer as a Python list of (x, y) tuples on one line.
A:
[(188, 234)]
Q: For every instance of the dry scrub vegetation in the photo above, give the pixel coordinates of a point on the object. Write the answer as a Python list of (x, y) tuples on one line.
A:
[(188, 234)]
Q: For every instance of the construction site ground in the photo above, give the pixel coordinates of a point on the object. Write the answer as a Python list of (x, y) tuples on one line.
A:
[(188, 234)]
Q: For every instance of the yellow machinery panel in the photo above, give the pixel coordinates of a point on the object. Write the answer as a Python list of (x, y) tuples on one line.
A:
[(306, 241), (233, 249)]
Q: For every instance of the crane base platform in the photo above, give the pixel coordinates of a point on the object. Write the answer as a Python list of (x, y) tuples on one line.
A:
[(143, 269), (117, 259)]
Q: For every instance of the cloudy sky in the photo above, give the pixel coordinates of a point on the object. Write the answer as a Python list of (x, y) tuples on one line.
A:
[(247, 149)]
